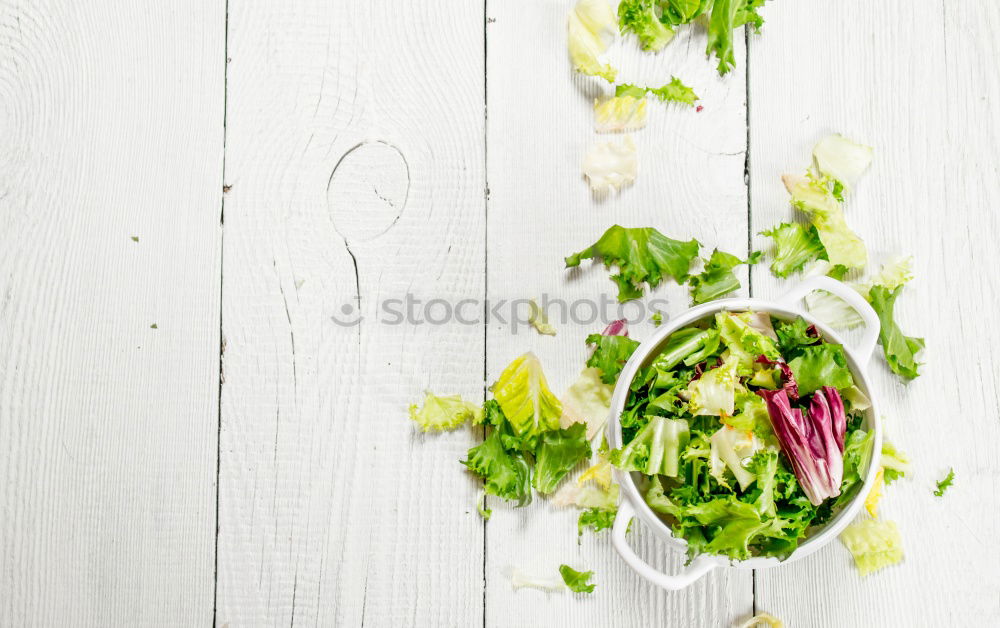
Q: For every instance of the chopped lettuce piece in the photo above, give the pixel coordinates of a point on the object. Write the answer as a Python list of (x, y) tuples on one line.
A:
[(655, 448), (610, 355), (611, 166), (943, 485), (507, 475), (674, 91), (814, 198), (795, 334), (900, 351), (874, 544), (832, 310), (620, 113), (595, 519), (588, 496), (744, 341), (751, 416), (714, 393), (599, 473), (821, 365), (795, 245), (895, 272), (643, 255), (763, 620), (591, 27), (717, 279), (639, 17), (727, 16), (526, 401), (558, 452), (577, 581), (588, 400), (538, 320), (841, 159), (894, 463), (657, 319), (730, 447), (520, 580), (444, 412), (484, 512)]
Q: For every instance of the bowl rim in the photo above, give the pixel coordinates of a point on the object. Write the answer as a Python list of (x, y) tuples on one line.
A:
[(782, 309)]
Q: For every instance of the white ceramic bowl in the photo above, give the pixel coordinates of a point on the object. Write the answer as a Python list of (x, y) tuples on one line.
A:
[(786, 307)]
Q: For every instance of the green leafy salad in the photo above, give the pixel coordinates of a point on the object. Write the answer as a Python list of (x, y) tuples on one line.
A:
[(748, 430)]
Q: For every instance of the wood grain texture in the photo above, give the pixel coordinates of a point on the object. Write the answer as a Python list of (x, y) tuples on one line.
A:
[(111, 127), (690, 184), (355, 155), (931, 192)]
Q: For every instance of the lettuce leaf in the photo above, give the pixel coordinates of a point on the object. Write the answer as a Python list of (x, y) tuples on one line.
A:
[(832, 310), (813, 197), (507, 475), (587, 400), (874, 544), (655, 448), (557, 453), (821, 365), (674, 91), (639, 17), (717, 279), (444, 412), (894, 463), (610, 166), (577, 581), (944, 484), (841, 159), (726, 17), (642, 254), (795, 334), (526, 401), (730, 447), (620, 113), (610, 355), (591, 26), (595, 519), (744, 342), (795, 245), (714, 393), (900, 351)]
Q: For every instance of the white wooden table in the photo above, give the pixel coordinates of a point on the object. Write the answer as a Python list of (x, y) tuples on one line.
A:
[(248, 461)]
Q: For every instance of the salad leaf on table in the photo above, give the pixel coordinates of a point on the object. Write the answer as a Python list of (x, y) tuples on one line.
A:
[(526, 401), (591, 27), (558, 452), (814, 197), (577, 581), (841, 159), (874, 544), (674, 91), (718, 279), (444, 412), (726, 17), (795, 245), (642, 254), (900, 350), (620, 113), (894, 463), (640, 18), (611, 166), (507, 474), (595, 519), (943, 485)]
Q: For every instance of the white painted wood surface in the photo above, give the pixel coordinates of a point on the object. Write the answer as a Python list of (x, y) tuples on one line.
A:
[(359, 142), (110, 127)]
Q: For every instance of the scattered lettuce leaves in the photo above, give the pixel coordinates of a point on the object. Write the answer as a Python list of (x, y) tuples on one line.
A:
[(506, 474), (900, 350), (577, 581), (874, 544), (718, 279), (595, 519), (674, 91), (943, 485), (526, 401), (591, 27), (795, 245), (812, 196), (610, 355), (444, 412), (639, 17), (643, 255), (557, 453)]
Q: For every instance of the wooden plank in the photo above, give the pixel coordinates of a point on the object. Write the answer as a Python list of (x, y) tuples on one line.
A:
[(355, 155), (908, 78), (690, 184), (111, 119)]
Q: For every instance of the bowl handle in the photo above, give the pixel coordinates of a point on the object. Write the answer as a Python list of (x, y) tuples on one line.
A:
[(698, 567), (863, 351)]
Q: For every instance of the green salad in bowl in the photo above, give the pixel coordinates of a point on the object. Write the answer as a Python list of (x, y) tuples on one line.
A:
[(745, 433)]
